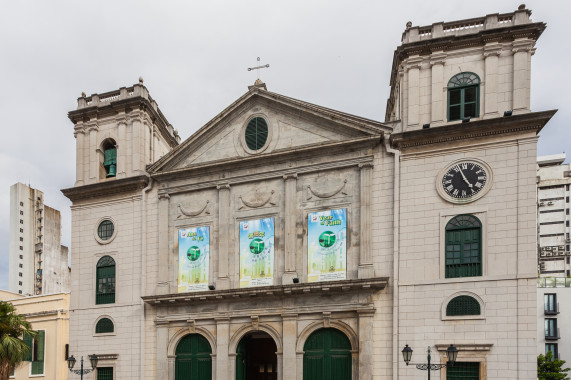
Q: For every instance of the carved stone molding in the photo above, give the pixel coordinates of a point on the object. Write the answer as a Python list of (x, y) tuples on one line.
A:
[(255, 322), (191, 326), (289, 176), (326, 194), (164, 196), (223, 186), (257, 199), (326, 319), (365, 165), (187, 212)]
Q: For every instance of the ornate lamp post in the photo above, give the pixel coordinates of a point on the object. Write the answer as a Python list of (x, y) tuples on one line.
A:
[(451, 353), (71, 362)]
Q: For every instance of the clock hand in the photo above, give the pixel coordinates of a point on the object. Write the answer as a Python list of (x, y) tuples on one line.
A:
[(463, 176)]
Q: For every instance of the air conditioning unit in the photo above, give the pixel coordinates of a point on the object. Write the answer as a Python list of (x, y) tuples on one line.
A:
[(541, 204), (549, 203)]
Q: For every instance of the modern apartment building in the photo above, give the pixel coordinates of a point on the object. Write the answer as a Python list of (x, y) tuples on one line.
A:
[(554, 240), (38, 262), (554, 316)]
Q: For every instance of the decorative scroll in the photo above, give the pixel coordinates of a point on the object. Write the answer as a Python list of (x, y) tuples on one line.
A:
[(258, 200), (186, 212), (326, 194)]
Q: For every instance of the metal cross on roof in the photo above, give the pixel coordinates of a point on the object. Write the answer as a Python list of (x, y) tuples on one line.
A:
[(258, 67)]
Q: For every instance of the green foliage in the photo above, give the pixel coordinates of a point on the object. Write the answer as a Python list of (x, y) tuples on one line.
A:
[(12, 347), (550, 369)]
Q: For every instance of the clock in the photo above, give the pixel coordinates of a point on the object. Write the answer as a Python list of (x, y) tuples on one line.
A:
[(464, 180)]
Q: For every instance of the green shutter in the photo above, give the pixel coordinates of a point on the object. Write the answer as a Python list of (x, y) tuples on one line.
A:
[(327, 356), (38, 361), (41, 339), (105, 285), (463, 247), (463, 305), (104, 325), (28, 341)]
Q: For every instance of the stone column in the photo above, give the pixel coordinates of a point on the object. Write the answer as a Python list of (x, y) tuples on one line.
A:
[(365, 344), (413, 109), (491, 56), (224, 215), (164, 258), (121, 147), (366, 269), (521, 79), (290, 227), (289, 344), (79, 135), (222, 341), (438, 114), (93, 149), (164, 371)]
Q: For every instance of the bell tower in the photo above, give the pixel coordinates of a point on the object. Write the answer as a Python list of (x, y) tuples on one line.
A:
[(118, 133)]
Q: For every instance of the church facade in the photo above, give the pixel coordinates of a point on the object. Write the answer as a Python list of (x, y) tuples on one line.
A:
[(284, 240)]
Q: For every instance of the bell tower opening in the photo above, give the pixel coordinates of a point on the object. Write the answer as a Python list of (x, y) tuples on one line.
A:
[(109, 148), (256, 357)]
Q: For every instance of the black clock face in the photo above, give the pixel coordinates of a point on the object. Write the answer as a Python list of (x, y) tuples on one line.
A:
[(464, 180)]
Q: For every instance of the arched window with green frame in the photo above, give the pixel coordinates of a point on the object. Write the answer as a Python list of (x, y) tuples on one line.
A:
[(463, 96), (463, 241), (105, 281)]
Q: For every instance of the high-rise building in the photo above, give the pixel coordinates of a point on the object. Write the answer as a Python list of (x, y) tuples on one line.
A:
[(285, 240), (38, 263)]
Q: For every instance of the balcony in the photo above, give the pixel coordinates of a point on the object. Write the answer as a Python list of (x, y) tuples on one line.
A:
[(552, 335), (38, 247), (551, 309)]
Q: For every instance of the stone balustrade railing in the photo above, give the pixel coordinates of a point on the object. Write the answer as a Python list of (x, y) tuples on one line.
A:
[(468, 26)]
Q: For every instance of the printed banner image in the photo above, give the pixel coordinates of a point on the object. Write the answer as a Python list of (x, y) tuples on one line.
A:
[(193, 259), (327, 245), (257, 252)]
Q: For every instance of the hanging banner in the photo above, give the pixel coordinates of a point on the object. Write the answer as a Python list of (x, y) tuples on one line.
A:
[(327, 245), (193, 259), (257, 252)]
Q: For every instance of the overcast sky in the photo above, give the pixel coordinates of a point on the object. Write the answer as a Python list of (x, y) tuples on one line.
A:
[(193, 57)]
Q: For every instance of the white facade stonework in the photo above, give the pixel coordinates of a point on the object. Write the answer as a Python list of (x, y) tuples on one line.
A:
[(385, 175)]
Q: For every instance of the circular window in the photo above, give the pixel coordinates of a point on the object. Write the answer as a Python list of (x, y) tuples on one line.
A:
[(105, 231), (256, 133)]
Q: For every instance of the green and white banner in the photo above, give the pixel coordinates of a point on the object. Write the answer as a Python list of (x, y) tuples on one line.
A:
[(257, 252), (327, 245), (193, 259)]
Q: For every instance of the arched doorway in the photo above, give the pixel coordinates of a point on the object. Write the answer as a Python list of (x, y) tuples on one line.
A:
[(256, 357), (327, 356), (193, 358)]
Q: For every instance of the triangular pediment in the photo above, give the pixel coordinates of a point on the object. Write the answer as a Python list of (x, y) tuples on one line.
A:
[(291, 124)]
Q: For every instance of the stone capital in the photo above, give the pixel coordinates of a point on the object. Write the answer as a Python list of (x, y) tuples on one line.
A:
[(523, 45), (287, 176), (164, 196), (366, 165), (492, 49), (438, 58), (223, 186)]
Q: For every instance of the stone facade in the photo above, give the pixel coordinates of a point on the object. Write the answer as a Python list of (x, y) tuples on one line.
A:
[(387, 176)]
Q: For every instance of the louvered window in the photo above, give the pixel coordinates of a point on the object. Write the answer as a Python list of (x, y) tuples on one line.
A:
[(463, 305), (105, 281), (36, 353), (256, 133), (463, 247), (463, 371), (104, 325)]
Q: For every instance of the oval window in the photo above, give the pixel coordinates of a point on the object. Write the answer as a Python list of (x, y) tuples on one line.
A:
[(256, 134)]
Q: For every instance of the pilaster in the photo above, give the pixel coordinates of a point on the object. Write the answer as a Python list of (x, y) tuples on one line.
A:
[(437, 61), (492, 52), (222, 341), (413, 112), (521, 80), (290, 182), (366, 269), (164, 257), (79, 135), (223, 281), (365, 344), (289, 344), (93, 160), (121, 146)]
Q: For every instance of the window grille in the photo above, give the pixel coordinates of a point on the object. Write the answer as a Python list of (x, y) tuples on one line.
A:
[(463, 305), (104, 325), (104, 373), (105, 230), (463, 371)]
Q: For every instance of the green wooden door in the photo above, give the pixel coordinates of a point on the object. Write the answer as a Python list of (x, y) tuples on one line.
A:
[(241, 360), (193, 359), (327, 356)]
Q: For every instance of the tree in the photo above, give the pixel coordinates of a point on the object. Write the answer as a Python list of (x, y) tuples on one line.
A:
[(12, 348), (549, 368)]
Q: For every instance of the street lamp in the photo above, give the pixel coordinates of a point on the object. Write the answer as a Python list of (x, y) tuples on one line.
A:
[(71, 362), (451, 354)]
